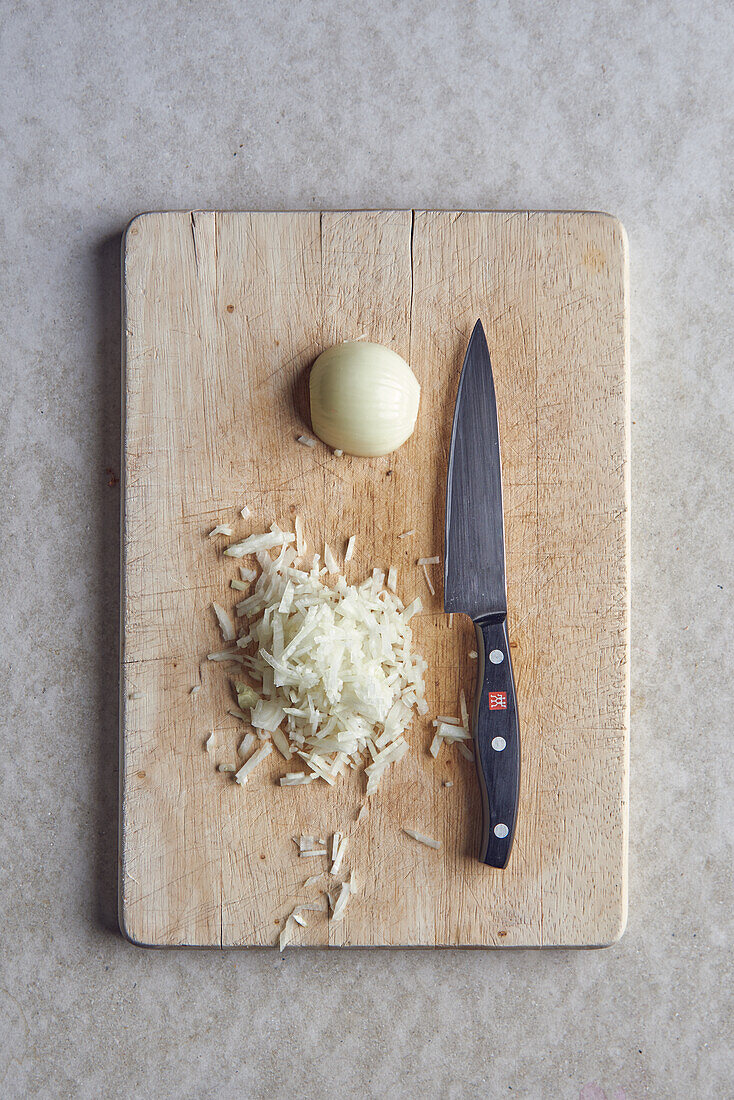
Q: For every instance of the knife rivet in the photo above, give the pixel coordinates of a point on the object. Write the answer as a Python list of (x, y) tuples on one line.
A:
[(498, 744), (496, 656), (501, 831)]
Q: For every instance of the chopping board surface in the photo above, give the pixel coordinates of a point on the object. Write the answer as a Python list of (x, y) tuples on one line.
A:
[(224, 315)]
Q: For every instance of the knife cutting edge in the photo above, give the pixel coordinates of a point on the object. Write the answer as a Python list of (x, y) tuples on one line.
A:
[(474, 583)]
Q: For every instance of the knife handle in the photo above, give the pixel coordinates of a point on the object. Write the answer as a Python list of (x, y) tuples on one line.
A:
[(496, 741)]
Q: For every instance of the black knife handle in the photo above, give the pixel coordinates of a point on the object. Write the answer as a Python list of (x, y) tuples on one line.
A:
[(496, 741)]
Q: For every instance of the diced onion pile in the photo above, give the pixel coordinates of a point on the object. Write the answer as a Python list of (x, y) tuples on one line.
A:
[(337, 678)]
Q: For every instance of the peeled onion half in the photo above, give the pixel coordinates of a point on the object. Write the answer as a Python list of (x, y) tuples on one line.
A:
[(364, 398)]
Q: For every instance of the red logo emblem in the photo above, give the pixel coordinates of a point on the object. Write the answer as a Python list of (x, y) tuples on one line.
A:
[(498, 700)]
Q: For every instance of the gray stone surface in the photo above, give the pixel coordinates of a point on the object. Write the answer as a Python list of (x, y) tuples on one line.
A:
[(112, 108)]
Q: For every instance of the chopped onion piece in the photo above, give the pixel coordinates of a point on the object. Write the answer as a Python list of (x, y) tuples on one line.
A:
[(451, 620), (286, 934), (247, 697), (316, 766), (239, 586), (248, 574), (221, 529), (237, 712), (300, 540), (446, 720), (295, 779), (390, 755), (244, 773), (349, 552), (413, 609), (225, 655), (245, 512), (431, 589), (448, 783), (226, 768), (251, 545), (338, 452), (306, 441), (315, 852), (286, 599), (329, 559), (352, 883), (246, 744), (195, 689), (465, 750), (407, 534), (394, 751), (281, 743), (293, 919), (436, 746), (429, 561), (464, 710), (341, 902), (312, 879), (392, 578), (338, 859), (422, 839), (266, 715), (450, 732), (211, 743), (227, 626), (473, 654), (363, 811), (335, 845)]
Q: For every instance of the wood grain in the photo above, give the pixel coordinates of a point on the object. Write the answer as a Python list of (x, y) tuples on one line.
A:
[(224, 313)]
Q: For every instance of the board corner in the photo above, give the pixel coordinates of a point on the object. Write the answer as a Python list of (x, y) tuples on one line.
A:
[(128, 929)]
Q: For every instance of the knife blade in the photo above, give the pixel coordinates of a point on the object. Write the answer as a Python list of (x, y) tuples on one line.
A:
[(474, 583)]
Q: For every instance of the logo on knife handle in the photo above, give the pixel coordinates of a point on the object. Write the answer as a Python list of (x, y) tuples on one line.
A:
[(498, 700)]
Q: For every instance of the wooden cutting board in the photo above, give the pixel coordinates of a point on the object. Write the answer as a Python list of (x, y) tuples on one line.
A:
[(224, 314)]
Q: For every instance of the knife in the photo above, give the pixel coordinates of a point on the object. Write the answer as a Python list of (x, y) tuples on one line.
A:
[(474, 583)]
